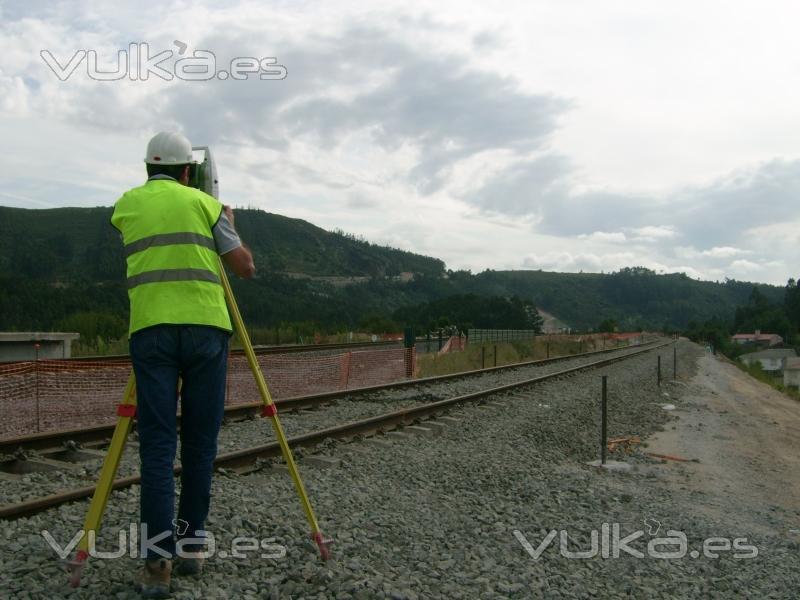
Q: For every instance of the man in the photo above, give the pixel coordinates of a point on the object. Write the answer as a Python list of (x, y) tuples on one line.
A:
[(179, 330)]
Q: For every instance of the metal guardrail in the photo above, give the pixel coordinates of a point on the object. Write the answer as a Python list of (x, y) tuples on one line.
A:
[(259, 349)]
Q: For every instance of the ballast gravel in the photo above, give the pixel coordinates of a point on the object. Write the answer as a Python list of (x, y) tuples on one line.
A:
[(242, 434), (449, 516)]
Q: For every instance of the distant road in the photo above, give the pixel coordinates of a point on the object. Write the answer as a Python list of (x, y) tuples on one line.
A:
[(551, 323)]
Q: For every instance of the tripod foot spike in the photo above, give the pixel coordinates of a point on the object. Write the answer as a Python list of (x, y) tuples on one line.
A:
[(323, 544), (75, 567)]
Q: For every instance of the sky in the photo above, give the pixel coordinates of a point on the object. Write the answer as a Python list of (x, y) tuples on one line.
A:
[(576, 135)]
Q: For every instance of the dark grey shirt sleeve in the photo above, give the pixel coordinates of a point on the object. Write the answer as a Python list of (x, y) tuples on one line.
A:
[(225, 236)]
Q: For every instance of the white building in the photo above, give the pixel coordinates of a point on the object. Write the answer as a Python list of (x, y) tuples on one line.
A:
[(35, 345), (791, 372), (764, 340), (771, 360)]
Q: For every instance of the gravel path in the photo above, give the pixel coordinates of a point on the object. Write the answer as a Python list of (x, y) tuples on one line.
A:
[(435, 517), (244, 434), (743, 441)]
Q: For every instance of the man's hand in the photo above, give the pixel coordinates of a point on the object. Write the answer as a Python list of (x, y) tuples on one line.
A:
[(241, 261), (228, 213)]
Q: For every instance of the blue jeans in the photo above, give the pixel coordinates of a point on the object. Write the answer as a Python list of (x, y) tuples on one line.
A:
[(160, 355)]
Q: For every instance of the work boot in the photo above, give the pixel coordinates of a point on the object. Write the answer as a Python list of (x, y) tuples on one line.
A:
[(154, 578), (190, 564)]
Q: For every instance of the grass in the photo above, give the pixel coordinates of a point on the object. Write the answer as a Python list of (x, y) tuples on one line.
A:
[(258, 336), (757, 372), (99, 347)]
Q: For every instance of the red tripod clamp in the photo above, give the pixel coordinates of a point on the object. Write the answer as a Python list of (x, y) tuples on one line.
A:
[(323, 544), (126, 410), (75, 567)]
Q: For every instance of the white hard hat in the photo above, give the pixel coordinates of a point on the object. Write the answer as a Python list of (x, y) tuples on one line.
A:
[(168, 148)]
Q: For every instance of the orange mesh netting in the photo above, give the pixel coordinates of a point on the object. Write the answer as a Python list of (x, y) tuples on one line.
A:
[(455, 343), (48, 395)]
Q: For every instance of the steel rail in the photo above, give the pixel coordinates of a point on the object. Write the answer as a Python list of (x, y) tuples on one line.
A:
[(259, 349), (54, 440), (370, 425)]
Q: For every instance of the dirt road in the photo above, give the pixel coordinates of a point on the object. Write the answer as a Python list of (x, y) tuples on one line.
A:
[(745, 439)]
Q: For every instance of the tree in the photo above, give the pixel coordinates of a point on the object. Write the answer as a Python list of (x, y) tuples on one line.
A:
[(463, 311), (375, 323), (791, 303), (760, 314), (607, 326)]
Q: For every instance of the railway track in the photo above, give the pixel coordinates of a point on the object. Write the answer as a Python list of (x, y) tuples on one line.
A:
[(259, 349), (248, 459), (56, 441)]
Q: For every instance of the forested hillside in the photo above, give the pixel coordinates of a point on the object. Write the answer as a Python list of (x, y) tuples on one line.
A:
[(632, 297), (63, 269), (80, 244)]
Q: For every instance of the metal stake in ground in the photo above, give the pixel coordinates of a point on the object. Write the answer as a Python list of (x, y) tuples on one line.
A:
[(409, 342), (675, 361), (36, 371), (603, 420), (658, 371)]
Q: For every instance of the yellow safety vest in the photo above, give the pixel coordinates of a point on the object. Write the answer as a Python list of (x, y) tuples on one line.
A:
[(173, 268)]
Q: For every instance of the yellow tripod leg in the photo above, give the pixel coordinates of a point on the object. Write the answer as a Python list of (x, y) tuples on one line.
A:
[(271, 411), (102, 491)]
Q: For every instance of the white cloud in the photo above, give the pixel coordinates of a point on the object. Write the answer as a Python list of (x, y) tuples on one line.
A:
[(717, 252), (581, 261), (744, 266), (779, 238), (724, 252), (487, 138), (652, 233), (603, 236), (598, 261)]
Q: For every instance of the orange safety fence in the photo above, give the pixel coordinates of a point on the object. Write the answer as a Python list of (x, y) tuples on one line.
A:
[(455, 343), (49, 395)]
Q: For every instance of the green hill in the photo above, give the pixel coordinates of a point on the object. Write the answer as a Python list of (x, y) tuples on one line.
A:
[(632, 297), (59, 265), (80, 244)]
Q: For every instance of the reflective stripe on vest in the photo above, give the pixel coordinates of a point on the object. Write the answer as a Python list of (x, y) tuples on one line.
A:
[(168, 239), (172, 275)]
